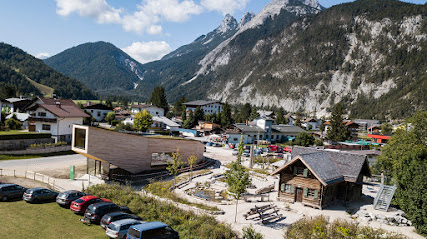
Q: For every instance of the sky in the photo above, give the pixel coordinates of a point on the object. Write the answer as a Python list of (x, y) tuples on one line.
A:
[(145, 29)]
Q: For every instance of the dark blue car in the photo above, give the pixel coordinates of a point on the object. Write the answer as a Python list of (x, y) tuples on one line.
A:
[(157, 230)]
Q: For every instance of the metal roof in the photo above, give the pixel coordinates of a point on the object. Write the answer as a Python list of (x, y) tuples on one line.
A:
[(287, 129), (249, 128), (201, 102)]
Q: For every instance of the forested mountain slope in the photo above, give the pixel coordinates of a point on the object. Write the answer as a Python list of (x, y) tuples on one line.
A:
[(16, 65)]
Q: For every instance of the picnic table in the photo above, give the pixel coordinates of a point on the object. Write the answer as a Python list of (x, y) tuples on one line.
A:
[(266, 213)]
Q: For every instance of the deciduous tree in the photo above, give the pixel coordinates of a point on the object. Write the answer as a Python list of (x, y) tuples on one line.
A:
[(142, 121)]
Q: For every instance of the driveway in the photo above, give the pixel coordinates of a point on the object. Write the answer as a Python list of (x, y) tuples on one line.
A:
[(46, 163)]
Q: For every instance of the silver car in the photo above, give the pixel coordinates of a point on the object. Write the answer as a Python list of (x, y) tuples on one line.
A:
[(119, 229)]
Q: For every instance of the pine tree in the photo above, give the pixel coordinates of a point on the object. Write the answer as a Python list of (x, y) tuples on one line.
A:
[(198, 114), (280, 119), (245, 112), (158, 98), (338, 131), (226, 115), (179, 107), (254, 114)]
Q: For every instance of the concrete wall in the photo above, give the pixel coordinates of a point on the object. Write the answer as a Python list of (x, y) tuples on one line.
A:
[(37, 150), (19, 144)]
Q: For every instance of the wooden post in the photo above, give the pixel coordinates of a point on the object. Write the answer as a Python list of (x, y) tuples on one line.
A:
[(34, 176)]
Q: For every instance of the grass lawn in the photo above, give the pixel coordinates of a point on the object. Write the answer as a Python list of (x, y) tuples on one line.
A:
[(16, 132), (29, 156), (23, 220)]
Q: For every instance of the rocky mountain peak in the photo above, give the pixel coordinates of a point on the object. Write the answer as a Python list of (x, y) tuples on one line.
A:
[(229, 23), (247, 17)]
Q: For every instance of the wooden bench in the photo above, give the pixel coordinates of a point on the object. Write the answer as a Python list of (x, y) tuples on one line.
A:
[(266, 213)]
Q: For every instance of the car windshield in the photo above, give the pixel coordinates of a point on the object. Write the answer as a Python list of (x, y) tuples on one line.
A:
[(113, 227), (29, 191), (79, 200), (134, 233), (62, 195)]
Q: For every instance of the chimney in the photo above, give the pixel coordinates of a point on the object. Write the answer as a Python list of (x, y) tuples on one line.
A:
[(58, 104)]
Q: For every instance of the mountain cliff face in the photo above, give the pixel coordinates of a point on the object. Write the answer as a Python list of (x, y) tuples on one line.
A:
[(99, 65), (369, 54), (179, 66)]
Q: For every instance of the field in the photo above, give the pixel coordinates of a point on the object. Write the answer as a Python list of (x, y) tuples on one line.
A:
[(29, 156), (9, 132), (23, 220)]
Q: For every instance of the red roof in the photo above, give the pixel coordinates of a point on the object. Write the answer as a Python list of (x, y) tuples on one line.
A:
[(62, 108), (378, 136)]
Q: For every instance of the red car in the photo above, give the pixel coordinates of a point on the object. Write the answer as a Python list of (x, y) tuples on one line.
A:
[(79, 206)]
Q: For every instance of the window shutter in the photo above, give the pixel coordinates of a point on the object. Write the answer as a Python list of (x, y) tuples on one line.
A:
[(295, 170), (282, 187), (316, 194), (306, 172), (292, 189), (305, 192)]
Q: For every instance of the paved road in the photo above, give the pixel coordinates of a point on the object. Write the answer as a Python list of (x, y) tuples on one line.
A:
[(35, 164)]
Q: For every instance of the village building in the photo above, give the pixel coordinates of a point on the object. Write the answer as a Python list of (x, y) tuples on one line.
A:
[(365, 124), (97, 111), (208, 107), (262, 129), (311, 123), (54, 116), (318, 178), (377, 138), (153, 110), (208, 128), (129, 153), (11, 105), (22, 117)]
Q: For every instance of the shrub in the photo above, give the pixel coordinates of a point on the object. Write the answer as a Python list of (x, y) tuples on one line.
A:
[(188, 224), (250, 233), (319, 227), (13, 124), (115, 122)]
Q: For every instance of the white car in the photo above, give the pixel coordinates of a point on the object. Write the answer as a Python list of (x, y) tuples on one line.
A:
[(119, 229)]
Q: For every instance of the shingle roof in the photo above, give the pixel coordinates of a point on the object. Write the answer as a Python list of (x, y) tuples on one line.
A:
[(97, 106), (328, 166), (65, 111), (143, 106)]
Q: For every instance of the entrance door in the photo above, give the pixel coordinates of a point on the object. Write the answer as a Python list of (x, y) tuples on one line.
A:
[(298, 195)]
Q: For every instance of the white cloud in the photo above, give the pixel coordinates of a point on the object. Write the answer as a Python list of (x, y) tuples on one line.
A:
[(149, 14), (224, 6), (97, 9), (42, 55), (147, 51)]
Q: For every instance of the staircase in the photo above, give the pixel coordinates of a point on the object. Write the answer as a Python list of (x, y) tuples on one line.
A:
[(383, 198)]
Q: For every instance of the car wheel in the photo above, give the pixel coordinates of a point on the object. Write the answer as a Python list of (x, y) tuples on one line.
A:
[(4, 198), (35, 200)]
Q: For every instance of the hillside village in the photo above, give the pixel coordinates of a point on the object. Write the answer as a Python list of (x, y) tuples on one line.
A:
[(317, 146)]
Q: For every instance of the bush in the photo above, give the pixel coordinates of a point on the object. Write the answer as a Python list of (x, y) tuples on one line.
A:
[(318, 142), (188, 224), (13, 124), (250, 233), (304, 139), (60, 143), (319, 227), (115, 122)]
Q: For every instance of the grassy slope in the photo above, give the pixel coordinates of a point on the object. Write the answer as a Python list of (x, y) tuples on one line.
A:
[(45, 90), (22, 220)]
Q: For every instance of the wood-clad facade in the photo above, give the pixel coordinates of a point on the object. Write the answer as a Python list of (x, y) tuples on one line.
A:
[(133, 153), (316, 179)]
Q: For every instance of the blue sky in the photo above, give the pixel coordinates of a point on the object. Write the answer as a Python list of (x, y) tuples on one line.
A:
[(145, 29)]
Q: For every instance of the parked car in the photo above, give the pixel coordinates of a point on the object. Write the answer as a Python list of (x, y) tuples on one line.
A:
[(96, 211), (115, 216), (9, 191), (34, 195), (79, 206), (119, 229), (157, 230), (64, 199)]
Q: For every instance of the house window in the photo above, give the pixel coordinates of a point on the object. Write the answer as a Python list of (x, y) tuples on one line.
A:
[(99, 113), (235, 139), (80, 138), (300, 171), (41, 114), (311, 193), (287, 188), (46, 127)]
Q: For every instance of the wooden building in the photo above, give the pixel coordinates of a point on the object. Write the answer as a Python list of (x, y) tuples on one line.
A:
[(107, 149), (317, 178)]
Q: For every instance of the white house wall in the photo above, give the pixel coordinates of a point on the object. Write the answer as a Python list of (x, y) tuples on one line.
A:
[(99, 115)]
